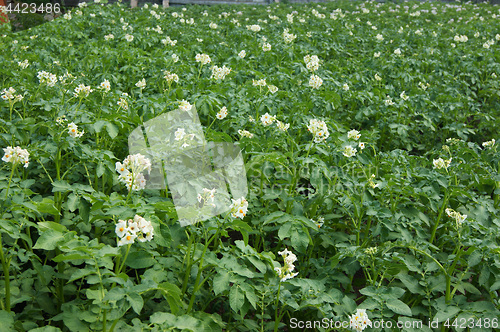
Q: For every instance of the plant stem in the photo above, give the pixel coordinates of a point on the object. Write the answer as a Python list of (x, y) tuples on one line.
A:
[(446, 196), (276, 320), (124, 259), (5, 266)]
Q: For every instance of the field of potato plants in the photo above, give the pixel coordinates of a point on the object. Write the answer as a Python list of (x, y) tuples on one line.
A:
[(367, 132)]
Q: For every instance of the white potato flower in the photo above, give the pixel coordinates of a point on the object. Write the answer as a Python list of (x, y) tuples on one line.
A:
[(16, 155)]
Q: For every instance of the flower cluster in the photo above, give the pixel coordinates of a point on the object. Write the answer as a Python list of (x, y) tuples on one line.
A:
[(371, 183), (239, 208), (461, 39), (141, 84), (203, 58), (171, 77), (169, 41), (109, 37), (282, 126), (24, 64), (137, 228), (272, 88), (82, 91), (129, 38), (207, 196), (245, 133), (267, 119), (286, 272), (441, 163), (242, 54), (312, 62), (423, 86), (266, 47), (185, 105), (222, 113), (105, 86), (261, 82), (459, 218), (359, 321), (131, 171), (404, 96), (288, 36), (318, 129), (123, 102), (16, 156), (349, 151), (254, 27), (219, 73), (353, 134), (315, 82), (489, 144), (9, 94), (319, 222), (73, 130), (47, 78), (180, 135)]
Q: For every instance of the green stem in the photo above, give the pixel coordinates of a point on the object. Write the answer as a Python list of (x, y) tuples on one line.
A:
[(200, 268), (5, 266), (276, 320), (124, 259), (445, 201)]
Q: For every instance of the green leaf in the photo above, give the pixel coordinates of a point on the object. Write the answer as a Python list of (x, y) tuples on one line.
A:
[(61, 186), (475, 258), (47, 206), (45, 225), (161, 317), (140, 260), (300, 239), (252, 298), (7, 320), (80, 273), (46, 329), (172, 294), (136, 302), (111, 129), (236, 298), (284, 231), (49, 240), (398, 307), (448, 313), (221, 282), (69, 257), (72, 202)]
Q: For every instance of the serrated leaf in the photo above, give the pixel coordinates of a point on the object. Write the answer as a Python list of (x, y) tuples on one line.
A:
[(475, 258), (221, 282), (136, 301), (236, 298)]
